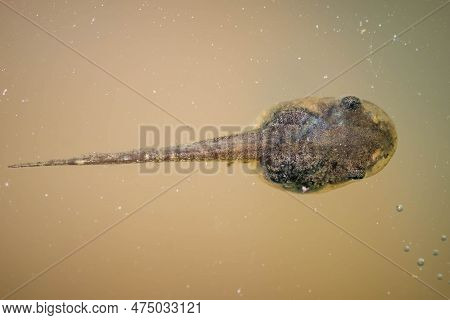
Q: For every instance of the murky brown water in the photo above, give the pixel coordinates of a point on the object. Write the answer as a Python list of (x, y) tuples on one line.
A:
[(223, 236)]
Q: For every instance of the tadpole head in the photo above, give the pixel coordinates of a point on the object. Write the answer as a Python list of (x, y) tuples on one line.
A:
[(363, 135), (385, 137), (335, 141)]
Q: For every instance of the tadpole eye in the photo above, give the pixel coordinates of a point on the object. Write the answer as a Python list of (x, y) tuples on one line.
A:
[(351, 103)]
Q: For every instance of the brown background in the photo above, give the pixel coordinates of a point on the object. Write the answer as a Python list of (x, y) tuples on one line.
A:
[(223, 236)]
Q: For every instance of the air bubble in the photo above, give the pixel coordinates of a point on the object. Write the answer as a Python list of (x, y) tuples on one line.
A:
[(440, 276), (399, 208), (407, 248), (435, 252), (421, 262), (444, 237)]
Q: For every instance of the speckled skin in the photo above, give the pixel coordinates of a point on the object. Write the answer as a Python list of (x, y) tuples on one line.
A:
[(337, 141), (303, 145)]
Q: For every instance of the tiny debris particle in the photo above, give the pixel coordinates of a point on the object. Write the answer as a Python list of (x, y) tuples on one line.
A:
[(4, 92), (399, 208)]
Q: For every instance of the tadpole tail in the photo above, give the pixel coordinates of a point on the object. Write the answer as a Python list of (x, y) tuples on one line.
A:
[(90, 159), (235, 147)]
